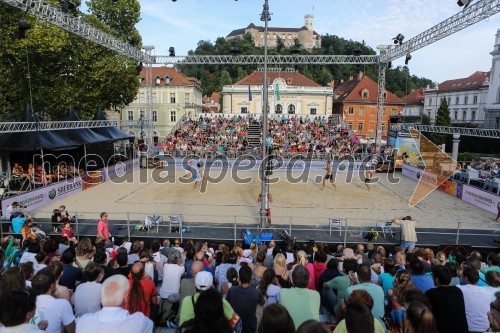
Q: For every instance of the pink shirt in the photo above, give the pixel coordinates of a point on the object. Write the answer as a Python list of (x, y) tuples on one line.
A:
[(103, 227)]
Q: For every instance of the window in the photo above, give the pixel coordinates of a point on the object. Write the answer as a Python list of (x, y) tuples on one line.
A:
[(393, 112), (456, 115), (278, 109), (351, 110), (361, 111), (142, 98), (244, 110), (382, 127), (497, 123), (167, 79), (289, 81), (474, 100), (449, 100), (155, 115), (430, 101), (464, 115), (291, 109), (365, 94), (360, 127), (172, 98), (313, 110), (186, 98), (173, 116), (457, 100), (466, 100), (153, 97), (158, 80), (473, 115), (349, 126), (383, 111), (130, 115)]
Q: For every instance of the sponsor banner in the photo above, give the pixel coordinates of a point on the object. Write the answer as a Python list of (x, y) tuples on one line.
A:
[(485, 200), (120, 169), (429, 178), (254, 165), (46, 195), (448, 186), (92, 179), (411, 172)]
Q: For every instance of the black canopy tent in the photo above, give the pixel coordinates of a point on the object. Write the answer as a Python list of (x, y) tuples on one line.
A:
[(110, 131)]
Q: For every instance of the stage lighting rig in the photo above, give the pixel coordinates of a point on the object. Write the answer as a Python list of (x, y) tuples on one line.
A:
[(464, 3), (23, 26), (357, 51), (398, 39), (171, 51), (408, 58)]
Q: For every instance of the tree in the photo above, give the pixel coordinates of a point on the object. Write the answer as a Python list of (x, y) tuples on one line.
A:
[(442, 119), (225, 79), (426, 120), (280, 44)]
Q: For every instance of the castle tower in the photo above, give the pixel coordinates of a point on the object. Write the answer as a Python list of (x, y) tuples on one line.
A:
[(309, 21)]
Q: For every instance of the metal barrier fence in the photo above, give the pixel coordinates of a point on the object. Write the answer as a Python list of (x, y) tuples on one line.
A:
[(349, 228)]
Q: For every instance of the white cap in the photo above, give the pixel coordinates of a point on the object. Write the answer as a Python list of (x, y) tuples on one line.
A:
[(203, 280)]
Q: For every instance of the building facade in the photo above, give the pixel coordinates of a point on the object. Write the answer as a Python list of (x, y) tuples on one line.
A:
[(289, 93), (356, 101), (174, 95), (211, 104), (466, 99), (306, 36), (414, 103), (492, 107)]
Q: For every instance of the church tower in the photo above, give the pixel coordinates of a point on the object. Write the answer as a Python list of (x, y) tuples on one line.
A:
[(492, 108), (309, 21)]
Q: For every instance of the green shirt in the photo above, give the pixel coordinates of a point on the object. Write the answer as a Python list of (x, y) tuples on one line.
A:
[(187, 309), (341, 327), (340, 284), (302, 304), (495, 268)]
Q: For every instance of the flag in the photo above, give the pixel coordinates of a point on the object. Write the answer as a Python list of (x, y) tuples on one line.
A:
[(249, 93), (277, 93)]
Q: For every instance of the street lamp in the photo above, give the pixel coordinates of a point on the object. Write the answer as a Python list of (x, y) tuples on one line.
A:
[(266, 17)]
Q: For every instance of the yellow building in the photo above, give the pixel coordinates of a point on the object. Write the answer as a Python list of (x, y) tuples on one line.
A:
[(297, 94), (174, 95)]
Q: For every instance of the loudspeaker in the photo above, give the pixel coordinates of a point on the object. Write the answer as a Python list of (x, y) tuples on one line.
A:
[(465, 250)]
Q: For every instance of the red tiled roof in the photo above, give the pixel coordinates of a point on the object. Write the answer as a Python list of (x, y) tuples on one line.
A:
[(416, 97), (351, 91), (472, 82), (215, 97), (297, 79), (176, 78), (238, 32)]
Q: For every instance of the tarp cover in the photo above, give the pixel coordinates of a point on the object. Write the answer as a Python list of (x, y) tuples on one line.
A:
[(82, 135), (110, 132), (36, 140)]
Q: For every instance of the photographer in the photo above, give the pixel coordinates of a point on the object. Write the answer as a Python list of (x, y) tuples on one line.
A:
[(57, 216)]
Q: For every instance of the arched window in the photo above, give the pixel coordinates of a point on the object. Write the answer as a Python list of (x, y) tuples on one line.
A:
[(278, 109), (291, 109), (158, 79)]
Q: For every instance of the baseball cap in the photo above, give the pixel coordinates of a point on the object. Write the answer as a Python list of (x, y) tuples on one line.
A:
[(203, 280)]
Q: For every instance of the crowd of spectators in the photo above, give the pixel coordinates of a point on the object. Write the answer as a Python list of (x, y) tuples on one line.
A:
[(288, 135), (133, 287), (38, 175)]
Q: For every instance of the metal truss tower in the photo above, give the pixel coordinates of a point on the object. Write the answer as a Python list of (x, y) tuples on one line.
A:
[(149, 95)]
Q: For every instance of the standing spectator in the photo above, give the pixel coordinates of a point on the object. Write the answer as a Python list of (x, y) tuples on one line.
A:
[(71, 274), (56, 218), (447, 302), (57, 312), (103, 229), (142, 291), (269, 288), (17, 308), (244, 300), (477, 301), (385, 280), (375, 291), (419, 318), (159, 258), (302, 304), (408, 233), (87, 296), (208, 315), (421, 281), (276, 319), (112, 318), (173, 270)]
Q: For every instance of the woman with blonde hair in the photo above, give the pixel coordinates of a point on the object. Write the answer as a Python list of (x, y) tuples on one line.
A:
[(281, 271), (301, 259), (84, 253), (239, 253), (441, 257)]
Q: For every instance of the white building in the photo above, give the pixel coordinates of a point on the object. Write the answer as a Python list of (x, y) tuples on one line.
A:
[(414, 103), (492, 112), (466, 98), (174, 95)]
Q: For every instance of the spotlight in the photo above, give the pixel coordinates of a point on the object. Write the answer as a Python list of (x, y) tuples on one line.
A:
[(408, 58), (464, 3), (171, 51), (296, 50), (66, 5), (139, 67), (235, 50), (357, 51), (23, 26), (398, 39)]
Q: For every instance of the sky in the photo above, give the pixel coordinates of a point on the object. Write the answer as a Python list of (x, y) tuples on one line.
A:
[(182, 24)]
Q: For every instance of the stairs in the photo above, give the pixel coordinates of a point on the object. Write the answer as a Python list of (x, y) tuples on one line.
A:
[(253, 134)]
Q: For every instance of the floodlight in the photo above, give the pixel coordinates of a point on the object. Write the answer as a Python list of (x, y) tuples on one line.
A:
[(171, 51), (408, 58)]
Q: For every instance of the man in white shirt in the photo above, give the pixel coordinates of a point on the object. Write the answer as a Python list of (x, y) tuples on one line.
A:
[(159, 258), (87, 296), (57, 312), (477, 301), (112, 318)]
